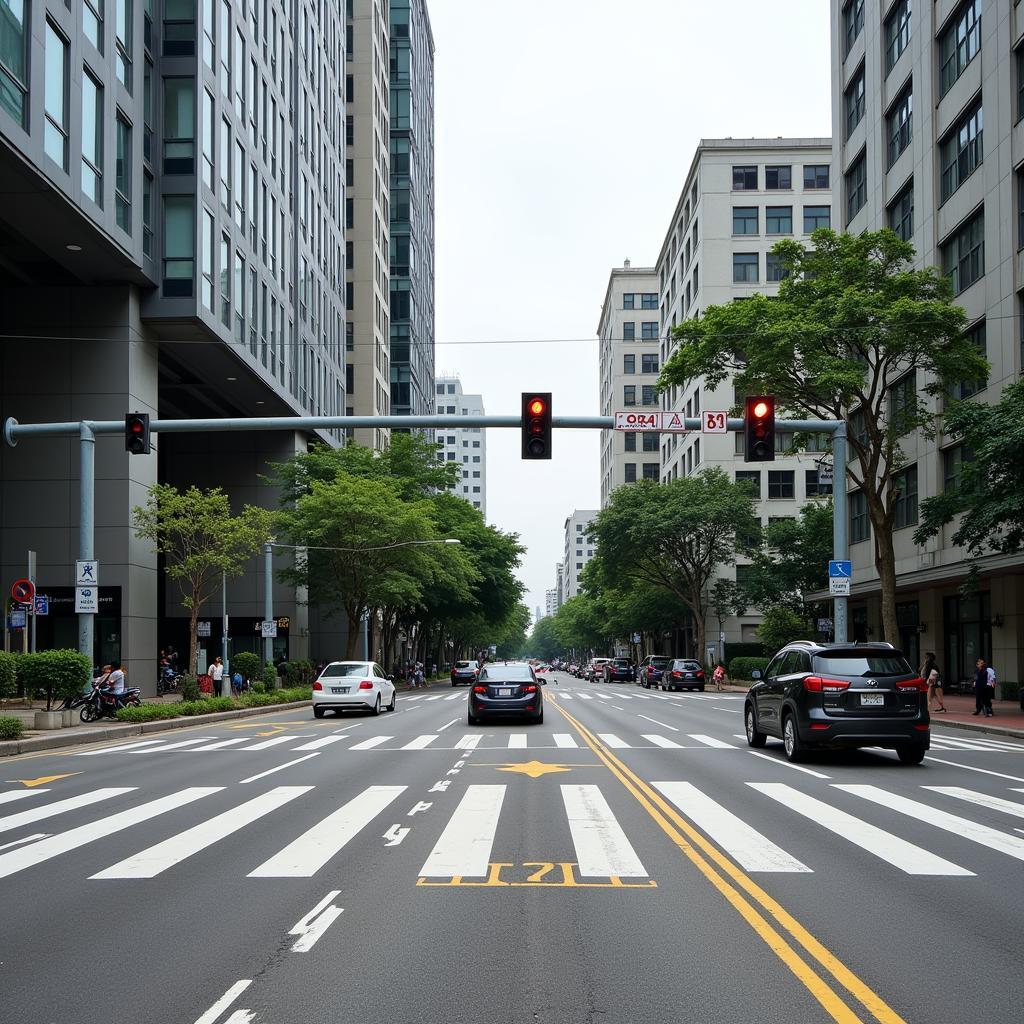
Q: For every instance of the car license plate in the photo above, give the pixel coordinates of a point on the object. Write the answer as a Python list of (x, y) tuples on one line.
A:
[(339, 689), (504, 691), (689, 675), (872, 700)]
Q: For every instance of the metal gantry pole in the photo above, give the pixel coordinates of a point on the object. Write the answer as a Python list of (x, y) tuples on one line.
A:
[(86, 525), (268, 598), (225, 685), (840, 536)]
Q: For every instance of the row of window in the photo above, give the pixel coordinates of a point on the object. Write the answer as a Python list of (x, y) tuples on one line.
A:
[(647, 395), (778, 220), (648, 362), (781, 483), (648, 330), (746, 177), (640, 300), (746, 267), (648, 471)]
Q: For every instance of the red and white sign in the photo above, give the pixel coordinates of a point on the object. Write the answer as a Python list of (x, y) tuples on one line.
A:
[(23, 591), (664, 422), (715, 422)]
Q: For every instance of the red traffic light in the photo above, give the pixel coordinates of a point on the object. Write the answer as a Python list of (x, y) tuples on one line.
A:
[(537, 407), (759, 429), (761, 409), (536, 426), (136, 433)]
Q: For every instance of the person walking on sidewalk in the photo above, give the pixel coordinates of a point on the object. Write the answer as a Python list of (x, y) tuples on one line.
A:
[(217, 675), (719, 676), (984, 688), (933, 677)]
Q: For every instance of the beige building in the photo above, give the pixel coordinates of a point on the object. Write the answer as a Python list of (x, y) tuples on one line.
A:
[(465, 446), (578, 551), (628, 345), (367, 270), (912, 89), (739, 197)]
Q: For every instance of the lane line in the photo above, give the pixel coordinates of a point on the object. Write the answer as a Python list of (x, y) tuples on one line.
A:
[(152, 861), (304, 856), (468, 742), (464, 848), (972, 768), (123, 746), (710, 741), (273, 742), (279, 768), (60, 806), (612, 740), (664, 725), (911, 859), (24, 839), (420, 743), (602, 848), (324, 741), (373, 741), (20, 794), (224, 1002), (563, 739), (46, 849), (741, 841), (662, 741), (785, 764), (221, 744), (517, 741), (442, 728), (994, 803), (168, 746)]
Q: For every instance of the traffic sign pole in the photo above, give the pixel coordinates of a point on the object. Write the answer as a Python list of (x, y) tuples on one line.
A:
[(840, 538), (32, 579), (86, 527)]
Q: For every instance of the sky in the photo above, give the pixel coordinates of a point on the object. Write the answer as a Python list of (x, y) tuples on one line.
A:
[(564, 131)]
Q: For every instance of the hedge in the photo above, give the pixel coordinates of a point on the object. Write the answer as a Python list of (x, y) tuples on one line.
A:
[(743, 668), (248, 664), (11, 728), (59, 673), (189, 708), (8, 675)]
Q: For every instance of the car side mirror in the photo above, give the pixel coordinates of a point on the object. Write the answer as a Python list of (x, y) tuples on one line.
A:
[(756, 674)]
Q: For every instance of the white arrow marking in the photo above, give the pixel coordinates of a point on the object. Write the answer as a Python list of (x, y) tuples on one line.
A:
[(315, 923), (395, 835)]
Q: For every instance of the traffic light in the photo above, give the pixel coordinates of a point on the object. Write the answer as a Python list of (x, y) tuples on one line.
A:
[(136, 433), (536, 425), (759, 429)]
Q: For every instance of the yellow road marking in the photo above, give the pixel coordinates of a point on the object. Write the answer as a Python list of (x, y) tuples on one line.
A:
[(43, 779), (535, 769), (688, 839), (565, 880)]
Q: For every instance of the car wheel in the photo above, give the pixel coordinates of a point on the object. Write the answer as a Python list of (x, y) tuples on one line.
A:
[(539, 720), (376, 706), (471, 718), (795, 748), (318, 712), (394, 696), (755, 738), (700, 689), (911, 753)]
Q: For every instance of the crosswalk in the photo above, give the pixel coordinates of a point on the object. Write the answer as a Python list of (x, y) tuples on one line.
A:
[(767, 828), (596, 695)]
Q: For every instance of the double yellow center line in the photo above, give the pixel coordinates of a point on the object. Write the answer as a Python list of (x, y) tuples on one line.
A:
[(764, 914)]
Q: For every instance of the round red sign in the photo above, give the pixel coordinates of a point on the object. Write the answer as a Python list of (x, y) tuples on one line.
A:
[(23, 591)]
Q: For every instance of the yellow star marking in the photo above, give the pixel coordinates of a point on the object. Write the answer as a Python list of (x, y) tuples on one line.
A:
[(535, 769), (43, 779), (275, 727)]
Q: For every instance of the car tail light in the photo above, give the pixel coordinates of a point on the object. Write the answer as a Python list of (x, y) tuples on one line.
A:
[(918, 684), (923, 728), (677, 675), (819, 684), (366, 685), (479, 689), (700, 674), (821, 725), (317, 685), (530, 688)]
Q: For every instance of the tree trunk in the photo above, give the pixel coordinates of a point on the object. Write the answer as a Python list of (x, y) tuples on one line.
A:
[(885, 563), (700, 630), (193, 637), (354, 626)]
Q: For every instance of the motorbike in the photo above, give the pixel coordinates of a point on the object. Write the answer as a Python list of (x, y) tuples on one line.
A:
[(167, 681), (102, 703)]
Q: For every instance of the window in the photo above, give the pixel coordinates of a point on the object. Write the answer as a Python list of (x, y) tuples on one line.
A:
[(744, 220), (853, 23), (963, 256), (208, 131), (744, 179), (649, 330), (778, 220), (854, 102), (123, 175), (959, 44), (649, 362), (629, 394), (179, 125), (147, 110), (856, 187), (744, 267), (92, 22), (961, 151), (629, 300), (903, 404), (649, 300), (147, 214), (901, 212), (123, 43), (953, 460), (224, 33), (13, 59), (206, 253), (225, 291), (774, 270), (630, 442), (55, 126), (629, 363), (897, 33), (652, 441), (860, 525), (92, 139), (967, 388), (813, 488), (630, 468), (817, 217), (180, 29), (179, 245), (224, 191), (629, 330), (752, 478), (1019, 60), (778, 177), (900, 125), (781, 483), (647, 395), (650, 470), (903, 489), (816, 176)]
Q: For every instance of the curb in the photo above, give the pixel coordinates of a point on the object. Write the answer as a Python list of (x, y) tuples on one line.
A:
[(71, 738), (999, 730)]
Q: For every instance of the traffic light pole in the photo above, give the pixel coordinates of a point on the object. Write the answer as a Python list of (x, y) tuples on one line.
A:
[(86, 527)]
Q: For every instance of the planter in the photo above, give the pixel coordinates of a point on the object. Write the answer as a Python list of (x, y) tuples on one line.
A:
[(69, 717), (48, 719)]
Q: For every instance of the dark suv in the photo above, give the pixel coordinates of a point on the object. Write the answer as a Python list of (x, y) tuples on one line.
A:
[(817, 695), (651, 669), (619, 670)]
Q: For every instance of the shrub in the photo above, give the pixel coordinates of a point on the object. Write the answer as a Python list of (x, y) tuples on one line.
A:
[(299, 673), (148, 712), (189, 688), (8, 675), (60, 673), (247, 663), (270, 675), (779, 626), (743, 668), (11, 728), (259, 686)]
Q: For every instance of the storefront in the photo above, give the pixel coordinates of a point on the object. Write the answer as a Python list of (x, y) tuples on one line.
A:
[(967, 626), (244, 634)]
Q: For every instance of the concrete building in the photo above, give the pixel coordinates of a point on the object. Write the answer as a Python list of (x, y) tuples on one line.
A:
[(550, 602), (578, 551), (367, 178), (466, 446), (172, 229), (739, 197), (628, 370), (559, 585), (912, 87), (412, 209)]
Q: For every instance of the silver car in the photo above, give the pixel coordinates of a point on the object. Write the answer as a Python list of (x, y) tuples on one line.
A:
[(351, 685)]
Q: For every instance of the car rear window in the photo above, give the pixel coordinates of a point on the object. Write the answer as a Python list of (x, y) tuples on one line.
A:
[(660, 662), (688, 665), (360, 669), (465, 664), (623, 662), (857, 663), (502, 672)]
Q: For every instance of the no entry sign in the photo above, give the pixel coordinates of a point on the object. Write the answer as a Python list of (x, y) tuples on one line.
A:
[(23, 591)]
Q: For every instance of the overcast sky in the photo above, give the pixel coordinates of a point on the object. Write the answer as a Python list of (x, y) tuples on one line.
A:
[(564, 131)]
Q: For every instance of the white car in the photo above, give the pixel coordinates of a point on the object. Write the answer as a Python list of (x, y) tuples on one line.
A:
[(345, 685)]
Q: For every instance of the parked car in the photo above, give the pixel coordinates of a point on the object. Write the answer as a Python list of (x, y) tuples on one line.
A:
[(815, 695), (465, 672), (510, 690), (595, 669), (619, 670), (353, 685), (683, 674), (651, 670)]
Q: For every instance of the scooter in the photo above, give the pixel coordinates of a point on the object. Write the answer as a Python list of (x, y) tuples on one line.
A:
[(103, 703)]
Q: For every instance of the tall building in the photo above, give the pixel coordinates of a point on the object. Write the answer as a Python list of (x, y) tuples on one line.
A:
[(412, 209), (739, 197), (559, 585), (550, 602), (172, 227), (466, 446), (912, 87), (367, 289), (578, 551), (629, 352)]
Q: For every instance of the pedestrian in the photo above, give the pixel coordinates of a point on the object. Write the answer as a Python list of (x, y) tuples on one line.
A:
[(984, 688), (237, 683), (933, 677), (217, 674), (719, 676)]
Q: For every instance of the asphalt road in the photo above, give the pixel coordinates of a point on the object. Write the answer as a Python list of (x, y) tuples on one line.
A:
[(630, 860)]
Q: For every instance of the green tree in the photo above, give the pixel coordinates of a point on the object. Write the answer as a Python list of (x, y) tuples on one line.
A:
[(855, 334), (989, 485), (778, 627), (199, 539), (542, 642), (674, 536), (580, 625)]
